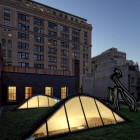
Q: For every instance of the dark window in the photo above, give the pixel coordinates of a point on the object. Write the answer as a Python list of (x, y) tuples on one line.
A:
[(38, 21), (52, 67), (52, 59), (76, 55), (23, 46), (3, 42), (64, 52), (52, 42), (4, 53), (75, 39), (39, 39), (7, 22), (22, 55), (64, 68), (64, 36), (24, 27), (51, 33), (23, 36), (38, 65), (52, 25), (76, 31), (23, 64), (52, 50), (65, 44), (9, 53), (75, 47), (6, 12), (85, 34), (9, 43), (23, 17), (38, 48), (38, 57), (64, 28), (38, 30), (65, 61)]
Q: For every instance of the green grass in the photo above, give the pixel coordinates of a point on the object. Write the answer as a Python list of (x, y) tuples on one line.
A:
[(15, 124)]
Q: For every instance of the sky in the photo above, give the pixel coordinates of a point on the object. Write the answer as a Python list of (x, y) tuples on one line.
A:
[(116, 23)]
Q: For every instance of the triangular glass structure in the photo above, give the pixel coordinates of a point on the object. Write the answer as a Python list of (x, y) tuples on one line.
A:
[(38, 101), (78, 112)]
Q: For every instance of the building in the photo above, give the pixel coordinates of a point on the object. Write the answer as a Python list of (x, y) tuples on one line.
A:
[(98, 81), (39, 36), (112, 53)]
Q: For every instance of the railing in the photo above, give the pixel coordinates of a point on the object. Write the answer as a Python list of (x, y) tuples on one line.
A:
[(34, 70)]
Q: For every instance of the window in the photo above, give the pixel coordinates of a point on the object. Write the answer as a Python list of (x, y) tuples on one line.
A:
[(4, 32), (38, 57), (64, 28), (75, 39), (23, 46), (24, 27), (64, 92), (36, 65), (75, 47), (49, 91), (51, 33), (28, 92), (39, 39), (52, 67), (11, 93), (38, 30), (9, 53), (65, 61), (132, 81), (22, 55), (23, 36), (64, 36), (3, 42), (85, 34), (38, 21), (76, 55), (85, 41), (76, 31), (23, 17), (23, 64), (52, 42), (6, 22), (65, 44), (4, 53), (9, 43), (52, 50), (6, 12), (52, 25), (64, 68), (64, 52), (38, 48), (52, 59)]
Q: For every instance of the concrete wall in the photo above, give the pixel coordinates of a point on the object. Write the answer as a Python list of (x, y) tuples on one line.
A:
[(97, 83)]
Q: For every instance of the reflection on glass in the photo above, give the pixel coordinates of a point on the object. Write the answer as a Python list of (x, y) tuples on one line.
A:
[(43, 101), (118, 118), (91, 112), (33, 102), (106, 113), (75, 115), (41, 132), (58, 122)]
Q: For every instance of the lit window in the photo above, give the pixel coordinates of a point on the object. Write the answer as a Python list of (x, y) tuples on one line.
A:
[(28, 92), (49, 91), (64, 92), (11, 93)]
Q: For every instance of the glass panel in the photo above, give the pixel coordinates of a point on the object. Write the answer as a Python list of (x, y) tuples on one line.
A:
[(118, 118), (58, 123), (41, 132), (11, 93), (33, 102), (75, 114), (106, 113), (52, 102), (24, 106), (91, 112), (43, 101)]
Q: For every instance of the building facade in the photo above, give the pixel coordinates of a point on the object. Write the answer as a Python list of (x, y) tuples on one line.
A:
[(110, 54), (97, 82), (39, 36)]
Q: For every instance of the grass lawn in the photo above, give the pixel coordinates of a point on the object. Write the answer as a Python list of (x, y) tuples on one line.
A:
[(15, 124)]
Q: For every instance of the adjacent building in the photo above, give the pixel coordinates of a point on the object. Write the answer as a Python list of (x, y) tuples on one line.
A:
[(97, 82), (36, 35)]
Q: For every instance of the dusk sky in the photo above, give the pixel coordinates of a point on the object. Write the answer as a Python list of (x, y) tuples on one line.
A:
[(116, 23)]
